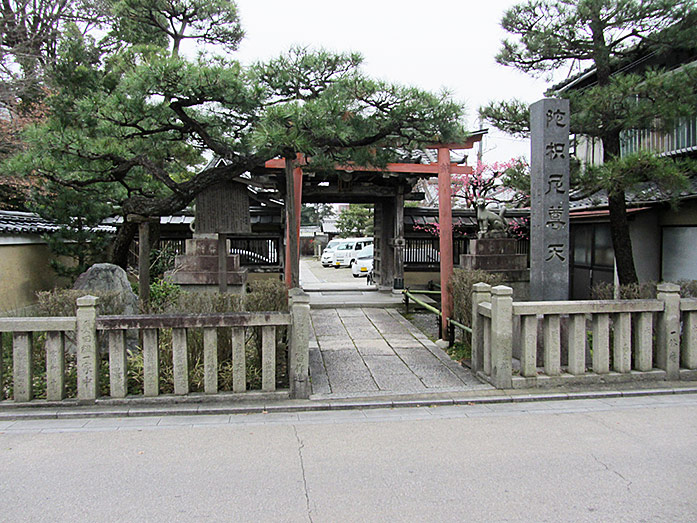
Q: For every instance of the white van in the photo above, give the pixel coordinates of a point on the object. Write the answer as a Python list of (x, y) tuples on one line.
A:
[(327, 258), (346, 253)]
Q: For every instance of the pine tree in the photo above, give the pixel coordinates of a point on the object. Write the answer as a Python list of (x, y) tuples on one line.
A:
[(605, 35), (138, 120)]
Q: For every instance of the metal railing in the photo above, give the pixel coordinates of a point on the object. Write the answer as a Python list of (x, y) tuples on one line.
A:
[(410, 295), (257, 249), (681, 139), (425, 251)]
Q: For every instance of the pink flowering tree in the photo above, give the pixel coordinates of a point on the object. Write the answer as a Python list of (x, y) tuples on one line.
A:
[(491, 182), (499, 182)]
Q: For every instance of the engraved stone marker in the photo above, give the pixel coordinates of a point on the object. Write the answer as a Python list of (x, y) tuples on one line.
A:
[(549, 212)]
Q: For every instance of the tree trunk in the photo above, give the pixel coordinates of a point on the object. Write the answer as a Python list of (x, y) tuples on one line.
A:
[(617, 206), (621, 240), (619, 225), (122, 244)]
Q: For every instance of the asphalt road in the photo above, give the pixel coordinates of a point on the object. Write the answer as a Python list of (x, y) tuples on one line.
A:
[(624, 459)]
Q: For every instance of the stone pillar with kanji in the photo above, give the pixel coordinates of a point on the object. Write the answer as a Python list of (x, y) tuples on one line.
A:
[(549, 212)]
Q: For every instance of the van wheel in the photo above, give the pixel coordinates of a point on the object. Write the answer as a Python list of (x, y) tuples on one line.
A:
[(356, 275)]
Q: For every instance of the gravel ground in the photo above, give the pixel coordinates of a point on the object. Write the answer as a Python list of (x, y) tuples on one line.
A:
[(426, 322)]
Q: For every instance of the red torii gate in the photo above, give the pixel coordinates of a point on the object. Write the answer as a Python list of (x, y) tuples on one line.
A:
[(443, 169)]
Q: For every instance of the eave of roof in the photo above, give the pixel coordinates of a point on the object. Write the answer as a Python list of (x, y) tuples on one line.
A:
[(17, 222)]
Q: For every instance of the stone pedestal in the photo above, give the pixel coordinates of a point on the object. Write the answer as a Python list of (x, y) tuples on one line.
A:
[(498, 256), (197, 270)]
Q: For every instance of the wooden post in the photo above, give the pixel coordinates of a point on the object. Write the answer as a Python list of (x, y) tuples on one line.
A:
[(222, 263), (144, 264), (398, 242), (445, 219), (294, 184)]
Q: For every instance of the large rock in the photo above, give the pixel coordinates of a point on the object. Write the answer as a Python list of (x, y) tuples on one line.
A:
[(107, 277)]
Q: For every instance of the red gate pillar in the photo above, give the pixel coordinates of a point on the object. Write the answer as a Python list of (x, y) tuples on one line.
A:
[(445, 219), (293, 208)]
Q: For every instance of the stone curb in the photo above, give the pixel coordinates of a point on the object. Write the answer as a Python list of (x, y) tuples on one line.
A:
[(17, 412)]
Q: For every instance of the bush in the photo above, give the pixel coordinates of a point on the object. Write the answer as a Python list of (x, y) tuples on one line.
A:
[(63, 302), (266, 295), (461, 286), (640, 291), (163, 295), (182, 302), (688, 288)]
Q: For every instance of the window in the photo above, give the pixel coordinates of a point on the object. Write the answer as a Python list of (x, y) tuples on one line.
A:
[(679, 249)]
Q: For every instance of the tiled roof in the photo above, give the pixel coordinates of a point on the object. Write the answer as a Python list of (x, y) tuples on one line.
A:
[(15, 222), (641, 194), (329, 226)]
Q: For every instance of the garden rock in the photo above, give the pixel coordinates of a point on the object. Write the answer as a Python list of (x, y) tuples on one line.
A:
[(111, 279), (107, 277)]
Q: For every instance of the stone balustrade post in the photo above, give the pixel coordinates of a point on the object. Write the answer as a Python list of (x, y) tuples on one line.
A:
[(481, 293), (668, 331), (299, 350), (501, 336), (87, 349), (22, 348)]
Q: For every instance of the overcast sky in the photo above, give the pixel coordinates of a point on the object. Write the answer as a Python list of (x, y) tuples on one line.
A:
[(433, 45)]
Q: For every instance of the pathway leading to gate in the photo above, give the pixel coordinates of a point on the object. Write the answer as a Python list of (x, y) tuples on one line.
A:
[(356, 352)]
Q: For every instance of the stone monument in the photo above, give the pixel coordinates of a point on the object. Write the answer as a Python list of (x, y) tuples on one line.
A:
[(549, 189), (493, 251), (220, 209)]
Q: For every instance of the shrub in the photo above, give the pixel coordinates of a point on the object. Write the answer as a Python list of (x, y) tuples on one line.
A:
[(640, 291), (163, 295), (688, 288), (266, 295), (461, 286), (63, 302)]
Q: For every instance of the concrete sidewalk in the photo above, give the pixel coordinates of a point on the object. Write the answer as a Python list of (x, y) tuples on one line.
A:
[(359, 352)]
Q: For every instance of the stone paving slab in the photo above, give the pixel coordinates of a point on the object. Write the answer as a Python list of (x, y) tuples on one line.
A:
[(354, 312), (320, 380), (378, 352), (405, 343), (347, 372), (437, 377), (373, 347), (335, 343), (392, 364), (400, 383), (418, 356), (329, 329)]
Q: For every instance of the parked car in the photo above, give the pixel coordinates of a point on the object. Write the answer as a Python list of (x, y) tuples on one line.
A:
[(364, 262), (346, 253), (327, 257)]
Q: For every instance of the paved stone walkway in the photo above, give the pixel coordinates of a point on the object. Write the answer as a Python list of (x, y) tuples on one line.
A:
[(372, 351)]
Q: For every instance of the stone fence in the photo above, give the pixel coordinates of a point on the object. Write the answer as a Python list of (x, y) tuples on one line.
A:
[(582, 342), (88, 330)]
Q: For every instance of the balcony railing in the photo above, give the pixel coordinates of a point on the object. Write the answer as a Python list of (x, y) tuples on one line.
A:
[(682, 139)]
